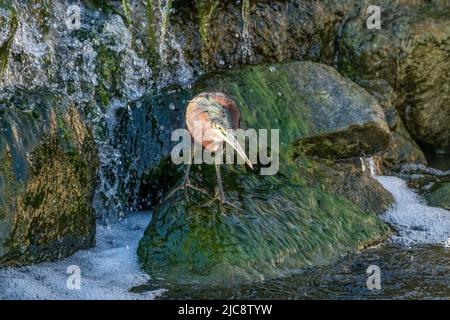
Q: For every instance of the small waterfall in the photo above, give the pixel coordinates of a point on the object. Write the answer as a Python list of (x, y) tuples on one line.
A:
[(246, 37), (174, 69), (415, 222), (46, 54)]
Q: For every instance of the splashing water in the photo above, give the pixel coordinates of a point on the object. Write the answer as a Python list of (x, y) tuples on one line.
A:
[(173, 65), (108, 271), (247, 44), (415, 222)]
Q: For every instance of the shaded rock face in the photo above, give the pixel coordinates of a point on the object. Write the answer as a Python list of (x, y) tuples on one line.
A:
[(143, 136), (350, 178), (315, 108), (439, 195), (47, 179), (230, 33), (283, 225), (401, 149), (409, 56)]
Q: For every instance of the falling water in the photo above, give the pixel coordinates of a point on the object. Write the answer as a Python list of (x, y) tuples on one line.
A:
[(173, 65), (246, 44), (415, 222), (46, 54)]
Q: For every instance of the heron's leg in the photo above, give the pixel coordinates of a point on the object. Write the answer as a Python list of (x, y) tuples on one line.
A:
[(220, 186), (219, 183), (221, 194), (187, 183)]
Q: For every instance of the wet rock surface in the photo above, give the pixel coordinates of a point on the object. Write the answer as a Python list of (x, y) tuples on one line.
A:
[(439, 195), (280, 218), (282, 225), (316, 109), (410, 55), (47, 179), (131, 68)]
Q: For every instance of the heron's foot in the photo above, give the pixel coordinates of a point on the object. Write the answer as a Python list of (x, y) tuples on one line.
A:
[(222, 202), (185, 186)]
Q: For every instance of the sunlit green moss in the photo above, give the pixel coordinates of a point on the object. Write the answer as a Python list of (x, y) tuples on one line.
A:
[(153, 54), (127, 11), (205, 12), (282, 226), (4, 49), (47, 179)]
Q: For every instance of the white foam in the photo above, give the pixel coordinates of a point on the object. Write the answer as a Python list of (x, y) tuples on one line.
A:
[(414, 221), (108, 270)]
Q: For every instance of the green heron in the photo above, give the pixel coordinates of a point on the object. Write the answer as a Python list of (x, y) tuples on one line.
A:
[(217, 114)]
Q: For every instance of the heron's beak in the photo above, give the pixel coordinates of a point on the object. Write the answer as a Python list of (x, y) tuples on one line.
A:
[(231, 140)]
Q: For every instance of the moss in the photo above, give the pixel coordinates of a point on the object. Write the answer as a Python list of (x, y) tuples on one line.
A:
[(153, 54), (205, 12), (439, 195), (317, 111), (283, 226), (107, 69), (266, 100), (5, 48), (8, 184), (127, 11), (49, 213)]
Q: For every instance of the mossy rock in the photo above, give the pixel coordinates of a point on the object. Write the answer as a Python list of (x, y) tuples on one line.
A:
[(47, 179), (282, 226), (439, 196), (317, 111), (8, 27)]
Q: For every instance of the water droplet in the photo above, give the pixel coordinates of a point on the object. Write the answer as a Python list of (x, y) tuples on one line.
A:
[(447, 243)]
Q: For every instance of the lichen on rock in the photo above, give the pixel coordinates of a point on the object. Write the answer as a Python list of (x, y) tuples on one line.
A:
[(47, 179)]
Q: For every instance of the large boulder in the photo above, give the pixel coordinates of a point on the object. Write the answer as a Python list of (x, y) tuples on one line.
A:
[(269, 96), (410, 55), (282, 226), (316, 110), (47, 179), (298, 218)]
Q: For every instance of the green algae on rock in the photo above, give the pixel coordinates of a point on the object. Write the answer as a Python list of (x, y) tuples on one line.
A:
[(8, 26), (47, 179), (316, 110), (282, 226), (439, 195)]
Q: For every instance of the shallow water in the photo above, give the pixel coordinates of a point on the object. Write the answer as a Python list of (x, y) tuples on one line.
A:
[(421, 272), (107, 271), (414, 264)]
